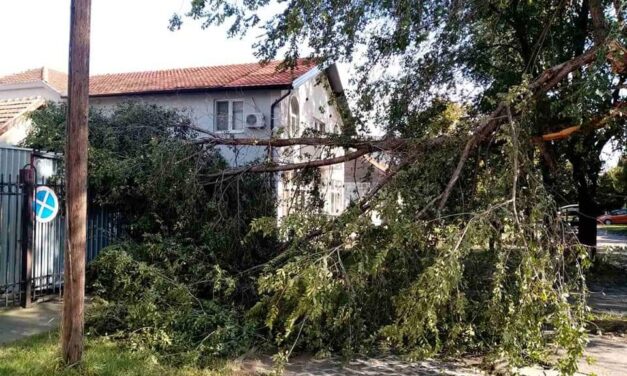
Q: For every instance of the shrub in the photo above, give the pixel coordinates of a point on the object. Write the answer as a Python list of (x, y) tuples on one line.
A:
[(149, 307)]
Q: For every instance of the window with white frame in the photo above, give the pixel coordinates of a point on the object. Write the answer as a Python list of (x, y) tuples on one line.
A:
[(229, 116), (294, 119)]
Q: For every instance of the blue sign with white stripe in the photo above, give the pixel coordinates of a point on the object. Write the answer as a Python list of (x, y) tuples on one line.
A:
[(46, 205)]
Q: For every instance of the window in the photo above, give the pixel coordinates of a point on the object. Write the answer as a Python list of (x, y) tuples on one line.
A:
[(238, 116), (294, 120), (229, 116), (337, 204), (222, 116), (319, 126)]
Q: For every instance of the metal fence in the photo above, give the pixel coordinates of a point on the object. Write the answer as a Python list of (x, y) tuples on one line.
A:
[(46, 277)]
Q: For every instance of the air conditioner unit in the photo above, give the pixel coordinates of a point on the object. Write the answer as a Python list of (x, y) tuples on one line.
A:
[(255, 120)]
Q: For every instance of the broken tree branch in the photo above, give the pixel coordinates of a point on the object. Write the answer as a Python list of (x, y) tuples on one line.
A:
[(545, 82), (273, 167), (619, 110), (355, 143)]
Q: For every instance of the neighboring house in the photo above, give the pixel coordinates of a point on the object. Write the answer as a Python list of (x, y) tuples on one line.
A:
[(14, 120), (239, 101)]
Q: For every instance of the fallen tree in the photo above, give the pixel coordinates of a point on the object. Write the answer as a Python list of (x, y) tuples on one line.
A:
[(469, 255)]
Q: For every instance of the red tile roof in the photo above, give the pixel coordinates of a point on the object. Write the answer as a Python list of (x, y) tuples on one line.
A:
[(216, 77), (56, 79)]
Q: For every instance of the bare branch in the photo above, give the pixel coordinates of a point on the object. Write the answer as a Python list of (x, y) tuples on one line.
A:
[(273, 167), (381, 144), (620, 110)]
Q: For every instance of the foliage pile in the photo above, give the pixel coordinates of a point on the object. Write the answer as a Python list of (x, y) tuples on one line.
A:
[(486, 269), (503, 278), (169, 286), (210, 274)]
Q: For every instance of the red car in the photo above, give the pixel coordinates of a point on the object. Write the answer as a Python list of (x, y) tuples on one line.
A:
[(614, 217)]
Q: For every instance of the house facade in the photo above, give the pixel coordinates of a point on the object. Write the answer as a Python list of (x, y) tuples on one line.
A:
[(234, 101)]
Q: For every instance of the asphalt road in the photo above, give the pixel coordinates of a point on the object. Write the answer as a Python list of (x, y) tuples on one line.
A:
[(607, 238)]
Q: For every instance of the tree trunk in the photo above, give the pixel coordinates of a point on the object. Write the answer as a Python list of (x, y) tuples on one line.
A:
[(588, 212), (76, 183)]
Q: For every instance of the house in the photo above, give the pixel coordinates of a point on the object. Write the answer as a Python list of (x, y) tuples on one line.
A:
[(239, 101)]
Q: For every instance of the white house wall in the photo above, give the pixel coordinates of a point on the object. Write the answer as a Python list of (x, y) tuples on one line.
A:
[(22, 125), (315, 102), (200, 107), (17, 133)]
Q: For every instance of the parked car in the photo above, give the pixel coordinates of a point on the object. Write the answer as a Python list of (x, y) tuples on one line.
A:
[(569, 214), (614, 217)]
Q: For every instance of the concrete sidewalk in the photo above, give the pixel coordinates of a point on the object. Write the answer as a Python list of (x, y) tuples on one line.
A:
[(18, 323)]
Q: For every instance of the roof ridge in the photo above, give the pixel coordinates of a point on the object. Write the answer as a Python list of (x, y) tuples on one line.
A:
[(44, 71), (30, 70), (186, 68)]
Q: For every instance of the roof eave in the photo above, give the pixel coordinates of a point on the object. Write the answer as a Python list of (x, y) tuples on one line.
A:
[(331, 72), (31, 85), (190, 90), (333, 75), (22, 85), (301, 80)]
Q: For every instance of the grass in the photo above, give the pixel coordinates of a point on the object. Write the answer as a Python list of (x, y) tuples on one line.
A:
[(39, 356), (608, 323), (615, 229)]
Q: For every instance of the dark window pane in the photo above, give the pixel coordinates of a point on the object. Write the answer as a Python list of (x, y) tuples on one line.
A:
[(222, 116), (238, 115)]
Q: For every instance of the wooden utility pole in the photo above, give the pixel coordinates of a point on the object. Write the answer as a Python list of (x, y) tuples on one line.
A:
[(76, 183)]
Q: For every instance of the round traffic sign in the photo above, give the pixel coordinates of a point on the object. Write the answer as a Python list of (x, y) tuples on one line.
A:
[(46, 204)]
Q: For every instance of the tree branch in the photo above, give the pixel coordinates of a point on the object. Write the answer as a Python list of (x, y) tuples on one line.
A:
[(618, 111), (381, 144), (273, 167), (546, 81), (599, 25)]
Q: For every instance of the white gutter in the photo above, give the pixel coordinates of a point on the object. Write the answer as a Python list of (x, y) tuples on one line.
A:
[(25, 85), (31, 85), (300, 81)]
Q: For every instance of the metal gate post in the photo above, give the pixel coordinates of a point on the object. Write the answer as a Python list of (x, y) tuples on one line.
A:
[(27, 179)]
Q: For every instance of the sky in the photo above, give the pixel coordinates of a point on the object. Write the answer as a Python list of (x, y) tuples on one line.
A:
[(127, 35)]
